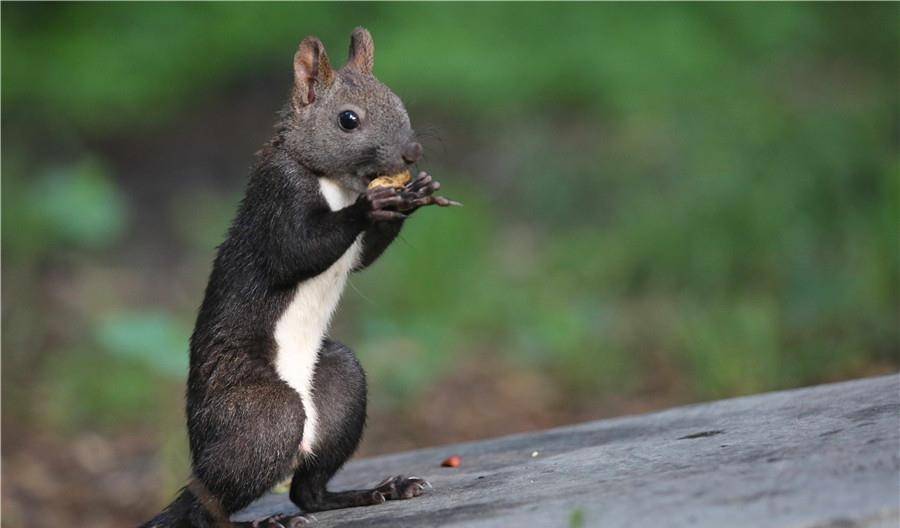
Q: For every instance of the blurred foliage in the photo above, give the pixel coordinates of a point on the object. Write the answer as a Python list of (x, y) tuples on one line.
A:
[(692, 201), (96, 65), (153, 338), (75, 205)]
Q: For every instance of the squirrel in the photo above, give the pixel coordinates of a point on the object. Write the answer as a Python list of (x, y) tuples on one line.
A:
[(269, 394)]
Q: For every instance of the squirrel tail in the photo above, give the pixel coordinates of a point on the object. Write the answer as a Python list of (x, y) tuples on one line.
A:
[(194, 507), (175, 515)]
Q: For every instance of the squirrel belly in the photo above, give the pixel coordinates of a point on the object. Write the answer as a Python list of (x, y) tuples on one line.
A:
[(301, 328)]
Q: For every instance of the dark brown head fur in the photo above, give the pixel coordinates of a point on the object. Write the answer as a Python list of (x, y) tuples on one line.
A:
[(382, 144)]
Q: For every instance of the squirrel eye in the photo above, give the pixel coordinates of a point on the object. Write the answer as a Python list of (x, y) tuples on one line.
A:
[(348, 120)]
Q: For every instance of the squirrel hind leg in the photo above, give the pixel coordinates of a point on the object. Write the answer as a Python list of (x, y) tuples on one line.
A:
[(339, 391), (339, 386), (267, 415)]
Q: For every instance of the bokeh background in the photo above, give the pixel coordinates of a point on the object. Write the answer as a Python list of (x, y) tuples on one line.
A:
[(664, 204)]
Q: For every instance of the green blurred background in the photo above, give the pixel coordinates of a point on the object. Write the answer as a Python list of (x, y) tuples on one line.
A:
[(664, 204)]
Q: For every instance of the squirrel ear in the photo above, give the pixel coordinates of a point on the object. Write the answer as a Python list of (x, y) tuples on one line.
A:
[(362, 51), (311, 67)]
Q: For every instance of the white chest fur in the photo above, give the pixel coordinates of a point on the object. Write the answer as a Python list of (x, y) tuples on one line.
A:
[(299, 331)]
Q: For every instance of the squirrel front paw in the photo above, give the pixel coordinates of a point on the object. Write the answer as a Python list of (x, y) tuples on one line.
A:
[(420, 191), (381, 204), (396, 203)]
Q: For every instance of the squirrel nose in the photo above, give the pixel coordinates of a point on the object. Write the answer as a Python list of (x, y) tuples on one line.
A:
[(411, 152)]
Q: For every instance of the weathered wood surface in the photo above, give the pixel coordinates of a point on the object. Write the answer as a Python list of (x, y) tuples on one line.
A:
[(826, 456)]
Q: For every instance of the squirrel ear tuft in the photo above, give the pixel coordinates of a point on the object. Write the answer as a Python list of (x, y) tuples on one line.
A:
[(311, 68), (362, 51)]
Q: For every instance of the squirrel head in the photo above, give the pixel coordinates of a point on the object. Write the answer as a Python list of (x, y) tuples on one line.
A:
[(345, 124)]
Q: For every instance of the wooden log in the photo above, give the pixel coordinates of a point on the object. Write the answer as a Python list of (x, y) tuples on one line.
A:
[(826, 456)]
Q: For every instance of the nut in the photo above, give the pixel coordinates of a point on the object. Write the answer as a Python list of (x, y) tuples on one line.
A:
[(452, 461), (397, 181)]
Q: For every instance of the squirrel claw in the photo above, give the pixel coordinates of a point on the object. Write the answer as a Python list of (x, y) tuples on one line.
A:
[(283, 521), (400, 487)]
